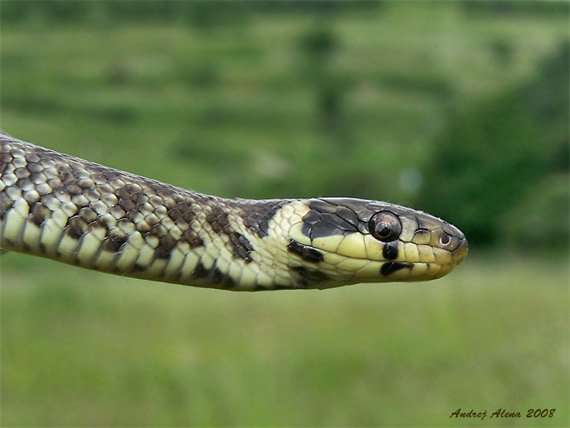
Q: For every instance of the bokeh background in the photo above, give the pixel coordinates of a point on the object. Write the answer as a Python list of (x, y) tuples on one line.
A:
[(456, 108)]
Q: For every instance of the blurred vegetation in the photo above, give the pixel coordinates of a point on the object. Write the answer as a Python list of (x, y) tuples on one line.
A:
[(285, 99), (84, 349), (199, 14), (456, 108), (501, 166)]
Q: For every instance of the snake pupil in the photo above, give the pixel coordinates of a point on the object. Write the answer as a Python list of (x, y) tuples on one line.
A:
[(383, 230)]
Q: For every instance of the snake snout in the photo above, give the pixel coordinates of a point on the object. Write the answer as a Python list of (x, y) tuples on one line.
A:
[(451, 239)]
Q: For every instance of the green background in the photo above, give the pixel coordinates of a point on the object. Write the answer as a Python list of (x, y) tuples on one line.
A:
[(456, 108)]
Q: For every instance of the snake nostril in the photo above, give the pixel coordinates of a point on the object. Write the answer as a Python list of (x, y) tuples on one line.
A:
[(444, 239)]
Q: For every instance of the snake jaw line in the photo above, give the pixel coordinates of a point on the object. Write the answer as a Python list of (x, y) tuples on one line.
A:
[(61, 207), (421, 246)]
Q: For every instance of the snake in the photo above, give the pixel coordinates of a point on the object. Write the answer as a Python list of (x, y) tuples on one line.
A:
[(78, 212)]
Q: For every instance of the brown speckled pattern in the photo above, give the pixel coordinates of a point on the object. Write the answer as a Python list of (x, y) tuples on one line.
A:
[(82, 213)]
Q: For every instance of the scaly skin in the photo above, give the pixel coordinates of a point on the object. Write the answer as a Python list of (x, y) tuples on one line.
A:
[(78, 212)]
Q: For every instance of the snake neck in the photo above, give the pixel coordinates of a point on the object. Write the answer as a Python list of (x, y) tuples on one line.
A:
[(82, 213)]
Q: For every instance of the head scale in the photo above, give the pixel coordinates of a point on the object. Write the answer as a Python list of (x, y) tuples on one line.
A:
[(348, 240)]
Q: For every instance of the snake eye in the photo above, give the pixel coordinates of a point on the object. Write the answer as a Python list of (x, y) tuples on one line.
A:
[(385, 226)]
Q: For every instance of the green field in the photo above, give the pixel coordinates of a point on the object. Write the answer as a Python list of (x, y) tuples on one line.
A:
[(237, 110), (242, 110), (80, 348)]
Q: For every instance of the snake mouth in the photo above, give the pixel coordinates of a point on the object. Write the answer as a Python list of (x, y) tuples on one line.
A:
[(360, 257), (360, 269), (422, 270), (412, 262)]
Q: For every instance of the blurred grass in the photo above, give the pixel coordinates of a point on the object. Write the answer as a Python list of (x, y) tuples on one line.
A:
[(81, 348), (233, 111), (216, 105)]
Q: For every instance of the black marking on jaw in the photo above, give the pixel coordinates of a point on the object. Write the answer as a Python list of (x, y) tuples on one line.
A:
[(308, 277), (391, 267), (390, 250), (305, 252)]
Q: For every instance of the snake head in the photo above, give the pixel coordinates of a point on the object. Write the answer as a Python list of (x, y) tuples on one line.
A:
[(344, 240)]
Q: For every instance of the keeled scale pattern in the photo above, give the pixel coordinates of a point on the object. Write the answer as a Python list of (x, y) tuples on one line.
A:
[(86, 214)]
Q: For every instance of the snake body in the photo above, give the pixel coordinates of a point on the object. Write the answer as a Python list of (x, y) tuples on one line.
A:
[(78, 212)]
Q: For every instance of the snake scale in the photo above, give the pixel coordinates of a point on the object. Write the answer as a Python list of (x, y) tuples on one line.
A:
[(78, 212)]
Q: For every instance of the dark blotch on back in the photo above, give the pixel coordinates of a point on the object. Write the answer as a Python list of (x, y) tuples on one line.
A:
[(192, 238), (200, 272), (213, 276), (113, 242), (103, 222), (166, 244), (126, 204), (305, 252), (39, 213), (76, 227), (241, 246), (138, 268), (257, 214), (327, 219), (391, 267), (5, 204), (322, 206), (218, 219)]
